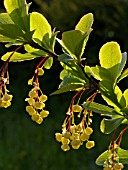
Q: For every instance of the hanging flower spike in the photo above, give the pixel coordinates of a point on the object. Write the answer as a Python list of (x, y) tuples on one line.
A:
[(36, 100), (75, 135), (112, 162), (5, 98)]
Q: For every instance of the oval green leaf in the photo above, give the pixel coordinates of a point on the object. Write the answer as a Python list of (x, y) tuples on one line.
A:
[(110, 58), (41, 26), (85, 23), (109, 125), (99, 108)]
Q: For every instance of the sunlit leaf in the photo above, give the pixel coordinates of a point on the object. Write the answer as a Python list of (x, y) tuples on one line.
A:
[(109, 125), (124, 99), (123, 62), (18, 11), (5, 19), (123, 75), (41, 26), (48, 63), (18, 57), (100, 73), (53, 40), (74, 69), (34, 51), (85, 23), (110, 58), (65, 58), (70, 87), (109, 94), (99, 108), (15, 33), (123, 156), (74, 42), (16, 43)]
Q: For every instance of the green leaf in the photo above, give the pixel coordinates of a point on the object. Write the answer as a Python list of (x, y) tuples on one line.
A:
[(18, 57), (64, 73), (123, 157), (99, 108), (122, 64), (72, 80), (124, 99), (110, 58), (5, 19), (85, 23), (34, 51), (69, 87), (14, 34), (109, 94), (65, 58), (74, 41), (74, 69), (18, 11), (123, 75), (53, 40), (6, 39), (125, 110), (87, 70), (16, 43), (41, 26), (109, 125), (100, 73), (125, 94), (48, 63)]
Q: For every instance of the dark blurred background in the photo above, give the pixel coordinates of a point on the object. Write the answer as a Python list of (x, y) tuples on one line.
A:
[(25, 145)]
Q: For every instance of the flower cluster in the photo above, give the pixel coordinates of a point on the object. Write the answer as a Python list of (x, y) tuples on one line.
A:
[(36, 100), (5, 98), (75, 135), (112, 162)]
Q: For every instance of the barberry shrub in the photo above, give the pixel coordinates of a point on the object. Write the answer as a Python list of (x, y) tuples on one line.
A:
[(33, 33)]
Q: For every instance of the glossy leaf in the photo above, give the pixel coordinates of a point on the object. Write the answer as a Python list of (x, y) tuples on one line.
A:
[(124, 99), (74, 42), (6, 39), (85, 23), (34, 51), (14, 34), (65, 58), (87, 70), (99, 108), (123, 75), (110, 58), (53, 40), (16, 43), (18, 57), (123, 156), (125, 94), (18, 11), (5, 19), (69, 87), (74, 69), (109, 125), (109, 94), (100, 73), (123, 62), (48, 63), (64, 73), (41, 26), (71, 80)]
